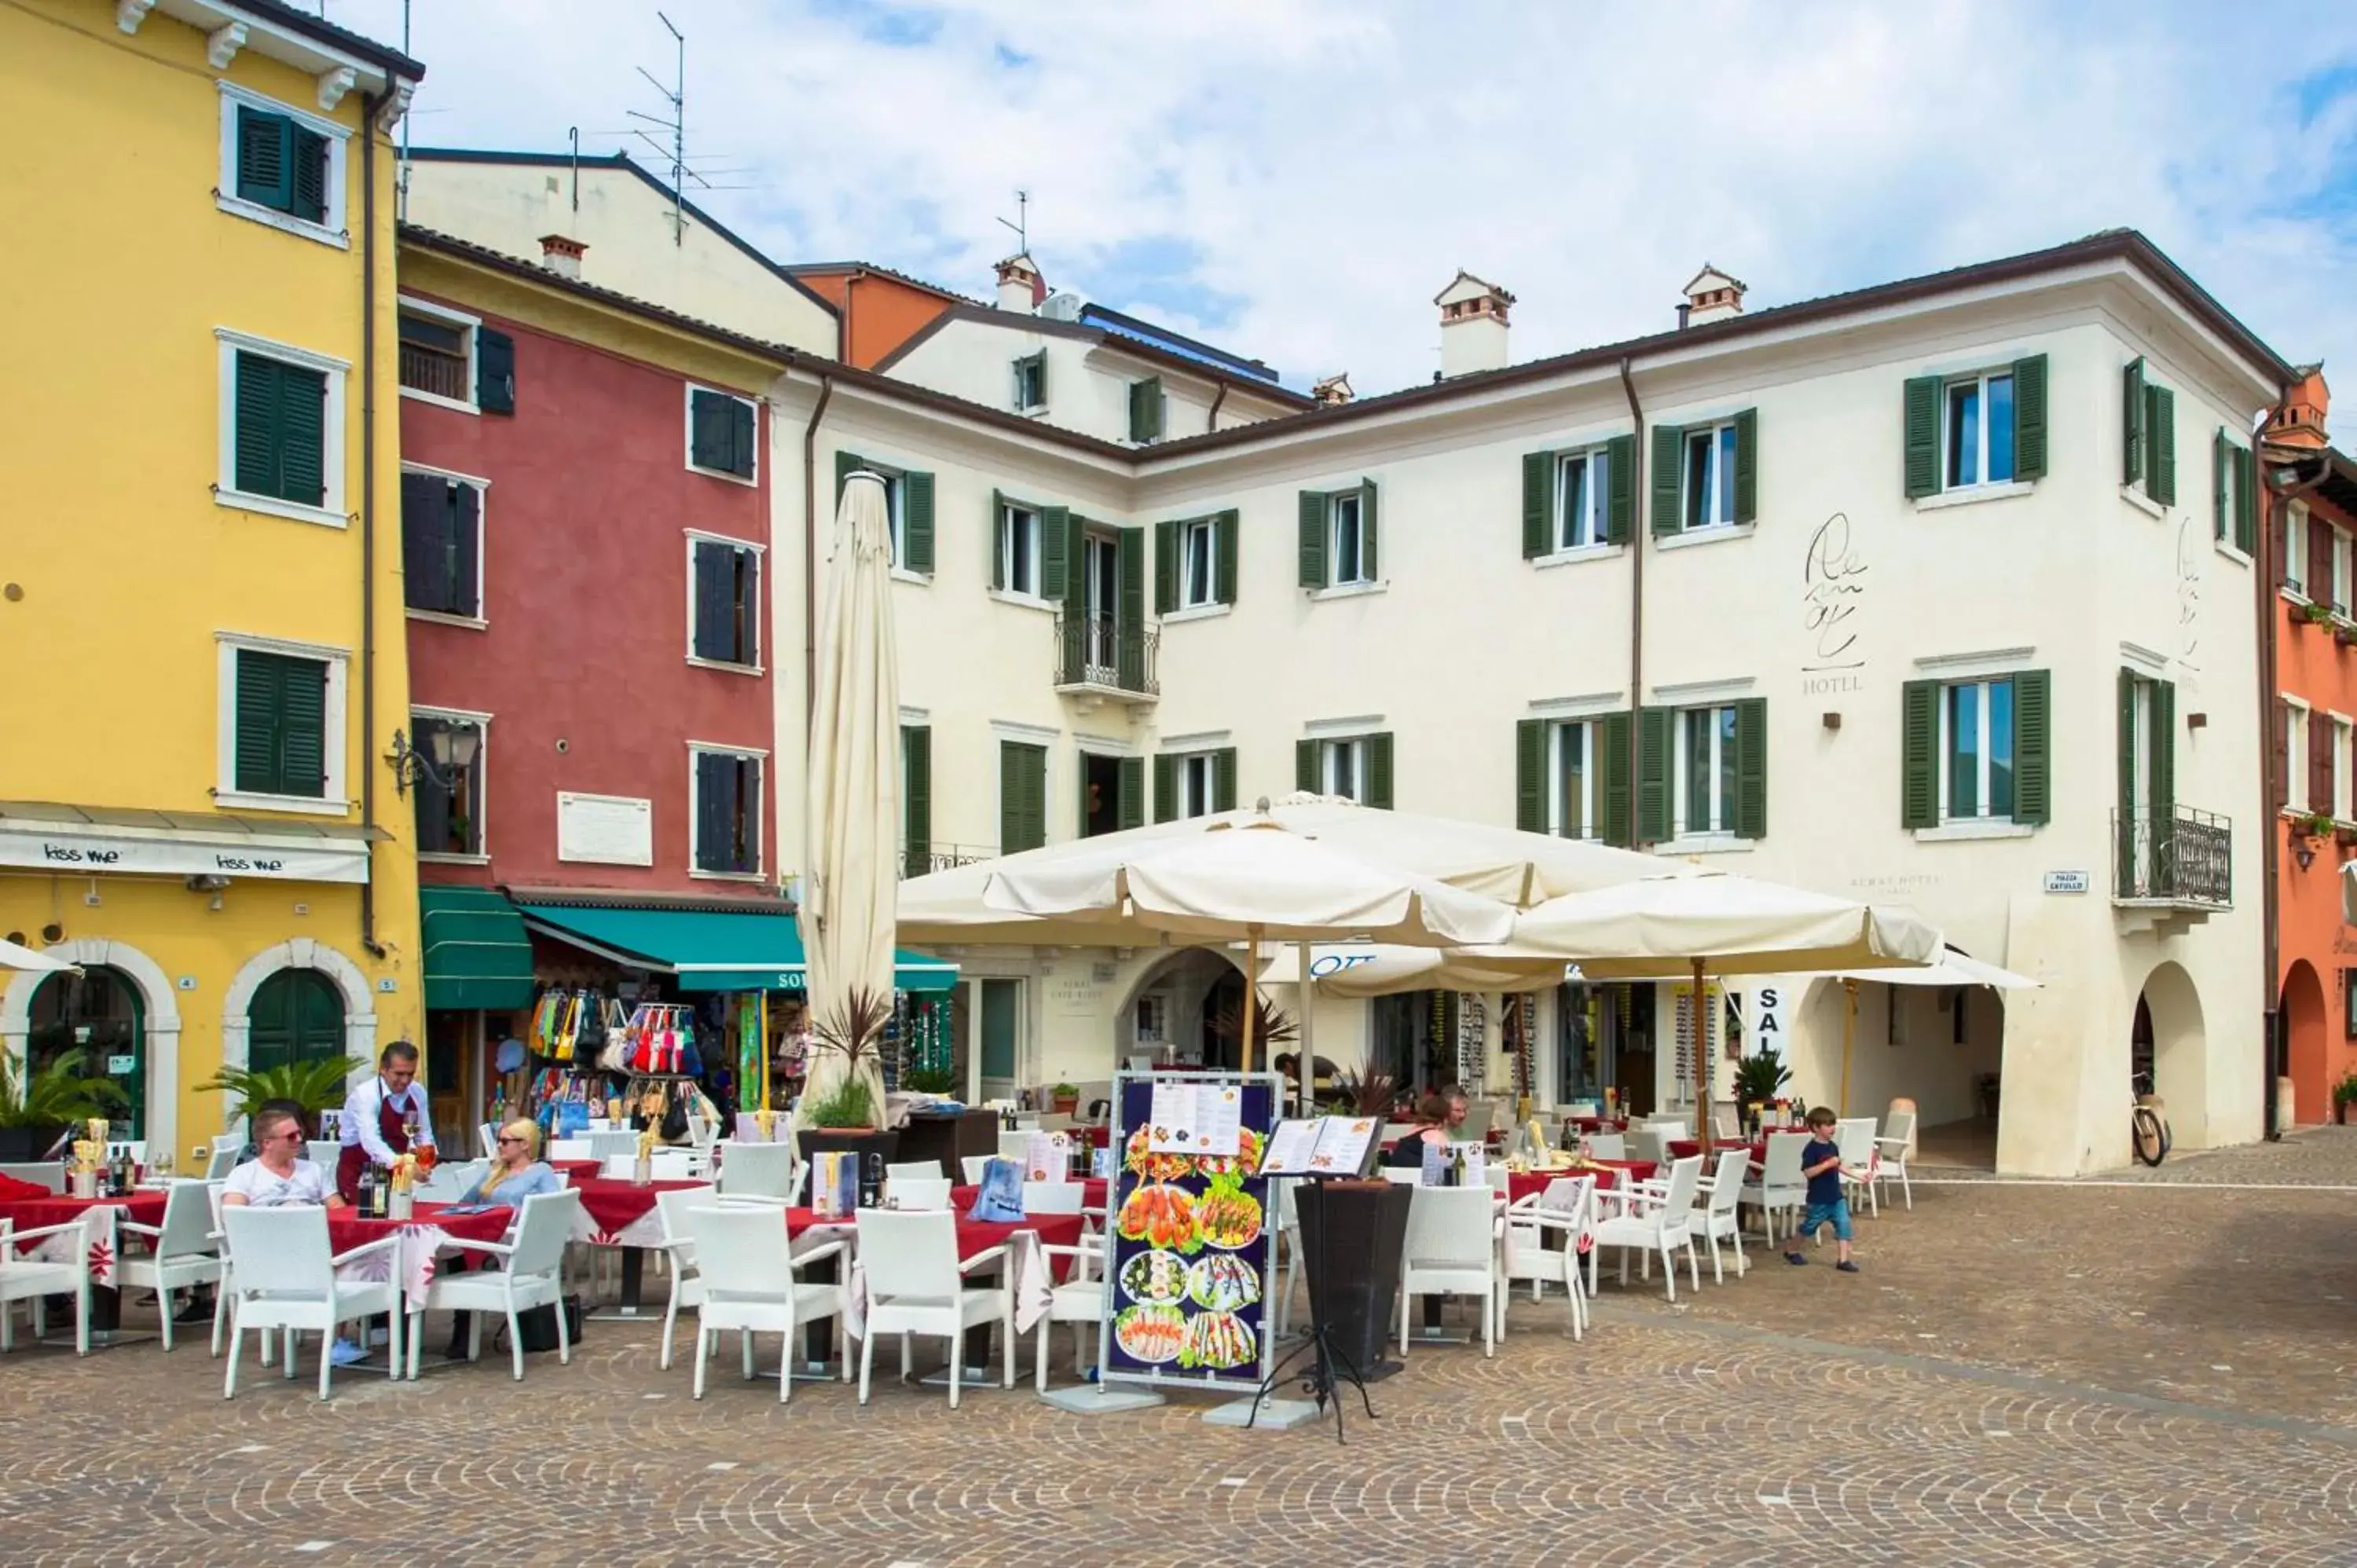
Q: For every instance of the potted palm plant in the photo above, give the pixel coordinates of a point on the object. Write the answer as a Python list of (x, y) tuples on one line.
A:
[(316, 1085), (846, 1116), (1760, 1079), (36, 1108)]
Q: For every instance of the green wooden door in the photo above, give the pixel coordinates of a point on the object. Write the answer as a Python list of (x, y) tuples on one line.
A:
[(296, 1016), (100, 1014)]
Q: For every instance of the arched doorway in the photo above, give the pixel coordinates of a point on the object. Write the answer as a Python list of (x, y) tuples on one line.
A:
[(296, 1015), (2310, 1033), (1170, 1011), (100, 1014), (2168, 1040)]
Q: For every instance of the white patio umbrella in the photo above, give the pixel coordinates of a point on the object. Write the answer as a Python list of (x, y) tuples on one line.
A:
[(14, 956), (853, 799), (1358, 970)]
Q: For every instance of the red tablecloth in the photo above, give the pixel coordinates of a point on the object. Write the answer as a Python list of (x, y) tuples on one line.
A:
[(611, 1205), (976, 1235), (1092, 1193), (1099, 1137), (1521, 1183), (576, 1171), (347, 1229), (100, 1236)]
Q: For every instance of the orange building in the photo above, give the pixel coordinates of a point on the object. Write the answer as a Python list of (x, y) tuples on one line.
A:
[(2310, 492), (880, 309)]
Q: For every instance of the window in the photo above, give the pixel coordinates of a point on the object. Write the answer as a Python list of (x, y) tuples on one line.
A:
[(1022, 796), (1977, 750), (1702, 772), (1710, 477), (908, 509), (724, 603), (1571, 778), (1974, 750), (1572, 804), (1147, 410), (1018, 549), (1343, 768), (282, 429), (1194, 783), (1583, 498), (2233, 494), (281, 166), (1358, 767), (2339, 579), (2295, 548), (450, 808), (2148, 421), (1195, 562), (1575, 499), (723, 437), (1705, 775), (1338, 537), (1705, 476), (442, 545), (1346, 520), (2341, 809), (1197, 580), (1979, 431), (1985, 428), (281, 734), (1031, 381), (2295, 724), (726, 813), (436, 356)]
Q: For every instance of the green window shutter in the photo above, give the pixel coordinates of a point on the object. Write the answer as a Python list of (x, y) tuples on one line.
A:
[(1223, 552), (1313, 540), (1746, 465), (1166, 568), (2033, 751), (1129, 807), (1059, 555), (916, 521), (2132, 417), (265, 159), (917, 802), (2125, 741), (309, 163), (304, 736), (1620, 458), (2164, 757), (425, 521), (1751, 767), (1538, 504), (2160, 442), (846, 465), (1616, 822), (998, 541), (260, 720), (1379, 772), (1922, 408), (1165, 787), (2030, 417), (1669, 450), (494, 371), (1022, 796), (2246, 503), (1530, 775), (2221, 485), (1305, 766), (254, 425), (302, 435), (1655, 741), (1371, 562), (740, 437), (707, 429), (1145, 409), (1224, 779), (1919, 753), (1129, 655)]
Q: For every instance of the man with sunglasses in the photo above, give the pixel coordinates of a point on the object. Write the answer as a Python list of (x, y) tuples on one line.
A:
[(277, 1177)]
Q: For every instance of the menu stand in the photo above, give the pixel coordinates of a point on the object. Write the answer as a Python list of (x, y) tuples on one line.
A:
[(1353, 1232)]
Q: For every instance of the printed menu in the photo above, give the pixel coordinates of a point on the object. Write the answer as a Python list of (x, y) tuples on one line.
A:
[(1323, 1145)]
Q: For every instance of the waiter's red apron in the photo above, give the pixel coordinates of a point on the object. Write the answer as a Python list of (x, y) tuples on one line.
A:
[(355, 1157)]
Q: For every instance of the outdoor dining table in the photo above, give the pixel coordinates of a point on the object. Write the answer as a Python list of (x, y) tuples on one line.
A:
[(431, 1230), (576, 1171), (1609, 1174), (617, 1213), (1092, 1193), (101, 1237)]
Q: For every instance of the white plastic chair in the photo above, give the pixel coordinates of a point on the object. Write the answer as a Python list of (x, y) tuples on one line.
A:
[(1452, 1250), (1078, 1299), (919, 1192), (1717, 1217), (1607, 1146), (749, 1286), (35, 1280), (605, 1145), (532, 1277), (1651, 1222), (1403, 1175), (449, 1183), (1567, 1208), (1854, 1137), (916, 1284), (662, 1165), (49, 1174), (221, 1162), (757, 1170), (679, 1251), (573, 1148), (1583, 1108), (974, 1167), (183, 1250), (1651, 1143), (923, 1170), (281, 1276), (1892, 1148), (1052, 1197), (1779, 1188)]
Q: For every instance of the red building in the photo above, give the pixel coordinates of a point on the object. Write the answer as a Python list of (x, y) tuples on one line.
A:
[(585, 529)]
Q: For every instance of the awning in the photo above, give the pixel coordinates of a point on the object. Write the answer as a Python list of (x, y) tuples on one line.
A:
[(710, 950), (476, 954)]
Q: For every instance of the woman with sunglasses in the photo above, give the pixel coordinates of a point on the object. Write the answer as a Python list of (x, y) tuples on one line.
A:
[(517, 1171)]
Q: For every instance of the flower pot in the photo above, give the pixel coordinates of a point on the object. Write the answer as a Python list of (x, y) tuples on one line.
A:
[(1064, 1104)]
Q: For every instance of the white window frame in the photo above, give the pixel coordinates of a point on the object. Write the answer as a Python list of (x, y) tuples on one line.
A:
[(334, 799), (1721, 435), (1198, 784), (332, 230), (696, 748), (1012, 516), (687, 434), (1591, 733), (1199, 590), (1979, 381), (481, 771), (480, 621), (2337, 587), (1947, 744), (1681, 774), (1595, 519), (2295, 560), (2342, 811), (1331, 766), (1355, 500), (760, 601), (1014, 369), (2294, 757), (230, 344), (473, 326), (895, 524)]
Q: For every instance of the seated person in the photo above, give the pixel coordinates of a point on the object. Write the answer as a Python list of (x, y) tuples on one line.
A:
[(517, 1170), (278, 1179), (253, 1150)]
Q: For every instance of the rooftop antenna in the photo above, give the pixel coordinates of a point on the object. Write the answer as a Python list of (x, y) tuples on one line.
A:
[(676, 96), (1021, 225), (401, 180), (573, 133)]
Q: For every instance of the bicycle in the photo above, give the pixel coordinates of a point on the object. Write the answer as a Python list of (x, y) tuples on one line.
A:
[(2148, 1132)]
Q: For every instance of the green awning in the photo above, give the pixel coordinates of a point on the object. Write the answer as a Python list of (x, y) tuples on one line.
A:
[(711, 950), (476, 954)]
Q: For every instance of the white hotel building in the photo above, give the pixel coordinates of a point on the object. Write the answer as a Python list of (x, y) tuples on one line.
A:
[(1928, 594)]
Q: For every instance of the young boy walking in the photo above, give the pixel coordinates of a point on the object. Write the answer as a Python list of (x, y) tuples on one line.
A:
[(1820, 1163)]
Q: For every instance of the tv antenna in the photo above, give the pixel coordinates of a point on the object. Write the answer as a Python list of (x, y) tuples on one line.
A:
[(1022, 223), (674, 95)]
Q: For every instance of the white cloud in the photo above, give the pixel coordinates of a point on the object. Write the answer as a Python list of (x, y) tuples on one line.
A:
[(1333, 162)]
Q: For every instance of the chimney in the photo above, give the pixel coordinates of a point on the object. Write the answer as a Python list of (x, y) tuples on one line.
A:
[(2301, 421), (562, 255), (1333, 391), (1020, 286), (1473, 324), (1713, 296)]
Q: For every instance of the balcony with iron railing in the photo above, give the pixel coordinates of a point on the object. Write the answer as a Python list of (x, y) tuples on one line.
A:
[(2176, 863), (427, 369), (1103, 658), (923, 859)]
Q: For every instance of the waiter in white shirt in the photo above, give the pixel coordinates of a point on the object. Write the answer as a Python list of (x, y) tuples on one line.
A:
[(383, 1117)]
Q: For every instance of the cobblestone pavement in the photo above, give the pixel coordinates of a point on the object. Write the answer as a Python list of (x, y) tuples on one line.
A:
[(2049, 1374)]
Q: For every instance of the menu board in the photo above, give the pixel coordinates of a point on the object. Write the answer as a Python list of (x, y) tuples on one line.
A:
[(1323, 1145), (1192, 1224)]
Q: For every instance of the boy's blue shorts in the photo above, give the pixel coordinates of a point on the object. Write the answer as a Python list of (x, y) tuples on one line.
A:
[(1836, 1214)]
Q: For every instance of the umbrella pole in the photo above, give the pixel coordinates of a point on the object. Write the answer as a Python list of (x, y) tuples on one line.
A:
[(1306, 1061), (1849, 1037), (1252, 996), (1702, 1064)]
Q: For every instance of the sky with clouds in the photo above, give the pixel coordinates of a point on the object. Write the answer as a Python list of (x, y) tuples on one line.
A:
[(1295, 179)]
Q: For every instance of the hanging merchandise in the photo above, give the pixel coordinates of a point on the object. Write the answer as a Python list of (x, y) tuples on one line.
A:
[(569, 1025), (662, 1040), (751, 1047), (1525, 1015), (1472, 1026)]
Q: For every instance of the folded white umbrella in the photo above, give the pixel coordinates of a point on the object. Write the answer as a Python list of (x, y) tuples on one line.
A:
[(1385, 969), (13, 956), (1950, 968), (1733, 925)]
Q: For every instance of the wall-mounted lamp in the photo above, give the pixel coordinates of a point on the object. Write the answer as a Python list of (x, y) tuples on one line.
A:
[(2305, 853), (453, 748), (2197, 721), (1833, 721)]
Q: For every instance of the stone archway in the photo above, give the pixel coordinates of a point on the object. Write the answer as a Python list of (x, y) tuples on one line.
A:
[(2307, 1024), (162, 1021), (301, 953), (1184, 979), (2179, 1041)]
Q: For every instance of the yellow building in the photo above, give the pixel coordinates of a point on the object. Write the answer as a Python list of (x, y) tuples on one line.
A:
[(200, 604)]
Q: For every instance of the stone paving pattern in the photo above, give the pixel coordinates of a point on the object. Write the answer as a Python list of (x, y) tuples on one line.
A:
[(2064, 1373)]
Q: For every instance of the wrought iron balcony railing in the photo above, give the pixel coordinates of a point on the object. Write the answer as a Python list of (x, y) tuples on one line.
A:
[(1103, 654), (2177, 856)]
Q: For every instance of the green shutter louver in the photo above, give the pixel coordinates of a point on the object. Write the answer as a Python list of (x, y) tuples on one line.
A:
[(1751, 767), (254, 425), (1129, 652), (1621, 460), (846, 465), (2164, 759), (1166, 568), (281, 725), (1669, 449), (1920, 404), (1165, 787), (1377, 791), (1746, 465), (1145, 410), (708, 430), (1531, 776), (916, 803), (258, 720), (742, 426), (1313, 540), (279, 430), (1022, 796), (2030, 417), (1058, 556), (1618, 821), (2132, 418), (310, 165), (2126, 783), (1656, 741), (1129, 803), (265, 159), (495, 372), (2222, 487), (917, 522), (1919, 753), (1224, 779), (1223, 552), (2033, 726), (998, 528), (1305, 766), (2160, 443), (1538, 504), (2246, 501), (1370, 559)]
